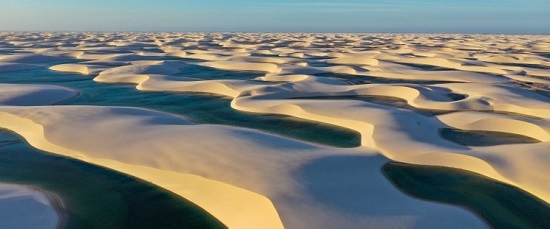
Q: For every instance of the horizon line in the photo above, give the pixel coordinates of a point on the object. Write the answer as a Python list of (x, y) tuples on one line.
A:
[(274, 32)]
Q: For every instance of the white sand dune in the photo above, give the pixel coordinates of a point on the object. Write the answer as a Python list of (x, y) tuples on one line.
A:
[(23, 207), (193, 161), (76, 68), (29, 58), (32, 95), (481, 82)]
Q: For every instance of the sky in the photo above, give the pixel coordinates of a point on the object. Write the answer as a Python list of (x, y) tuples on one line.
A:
[(401, 16)]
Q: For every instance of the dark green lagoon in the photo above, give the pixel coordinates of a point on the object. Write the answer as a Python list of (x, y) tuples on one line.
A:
[(484, 138), (91, 192), (96, 197), (202, 108)]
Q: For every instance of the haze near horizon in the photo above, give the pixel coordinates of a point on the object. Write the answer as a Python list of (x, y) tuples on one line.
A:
[(425, 16)]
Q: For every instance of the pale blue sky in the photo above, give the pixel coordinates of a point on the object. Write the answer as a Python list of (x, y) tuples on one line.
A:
[(444, 16)]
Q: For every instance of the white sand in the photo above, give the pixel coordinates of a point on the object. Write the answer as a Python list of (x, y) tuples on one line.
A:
[(249, 179), (23, 207), (307, 186), (32, 95)]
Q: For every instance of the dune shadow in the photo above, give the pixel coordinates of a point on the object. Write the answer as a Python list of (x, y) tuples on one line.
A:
[(346, 182)]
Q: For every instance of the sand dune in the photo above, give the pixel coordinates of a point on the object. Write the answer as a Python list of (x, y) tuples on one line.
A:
[(29, 58), (291, 174), (32, 95), (24, 207), (397, 91), (77, 68)]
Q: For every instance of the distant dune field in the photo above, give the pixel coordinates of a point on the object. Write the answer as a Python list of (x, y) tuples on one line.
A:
[(398, 92)]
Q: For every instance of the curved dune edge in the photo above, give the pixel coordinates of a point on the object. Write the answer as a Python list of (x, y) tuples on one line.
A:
[(414, 97), (480, 96), (367, 131), (32, 95), (296, 200), (235, 207), (260, 98), (76, 68), (481, 160), (487, 70), (448, 159)]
